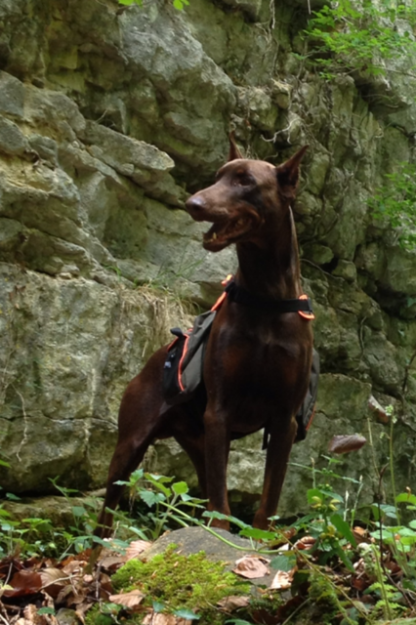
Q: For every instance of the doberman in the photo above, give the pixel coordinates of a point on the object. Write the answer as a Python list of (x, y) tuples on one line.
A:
[(258, 357)]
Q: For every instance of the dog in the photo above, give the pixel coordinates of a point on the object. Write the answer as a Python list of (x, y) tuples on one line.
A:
[(258, 356)]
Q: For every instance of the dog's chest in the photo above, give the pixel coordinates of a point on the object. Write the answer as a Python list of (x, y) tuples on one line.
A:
[(253, 360)]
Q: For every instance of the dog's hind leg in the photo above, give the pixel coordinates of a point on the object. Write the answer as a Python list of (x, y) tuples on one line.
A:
[(280, 444), (139, 423), (127, 456)]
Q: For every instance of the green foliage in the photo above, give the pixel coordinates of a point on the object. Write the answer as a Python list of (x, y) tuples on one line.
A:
[(178, 4), (322, 592), (179, 582), (36, 537), (165, 500), (395, 203), (190, 587), (346, 36)]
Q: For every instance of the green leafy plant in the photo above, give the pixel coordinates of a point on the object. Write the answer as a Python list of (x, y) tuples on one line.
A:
[(178, 4), (395, 203), (345, 36), (165, 500)]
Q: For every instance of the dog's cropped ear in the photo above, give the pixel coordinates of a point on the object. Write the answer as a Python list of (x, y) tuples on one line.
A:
[(234, 151), (288, 174)]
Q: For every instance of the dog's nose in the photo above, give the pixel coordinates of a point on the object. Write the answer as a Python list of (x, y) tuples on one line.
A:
[(195, 203)]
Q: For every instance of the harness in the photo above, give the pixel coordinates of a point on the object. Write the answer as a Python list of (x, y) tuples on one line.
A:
[(183, 368)]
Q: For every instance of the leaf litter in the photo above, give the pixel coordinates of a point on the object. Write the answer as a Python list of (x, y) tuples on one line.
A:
[(34, 590)]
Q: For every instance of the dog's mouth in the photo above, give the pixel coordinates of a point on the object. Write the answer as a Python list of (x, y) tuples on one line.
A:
[(223, 233)]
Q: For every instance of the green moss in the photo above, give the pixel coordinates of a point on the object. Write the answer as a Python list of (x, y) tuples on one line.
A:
[(181, 582)]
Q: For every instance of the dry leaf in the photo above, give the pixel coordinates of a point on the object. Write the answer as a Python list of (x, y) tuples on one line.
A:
[(342, 444), (24, 582), (73, 566), (378, 410), (233, 602), (284, 547), (53, 580), (112, 563), (360, 534), (136, 548), (31, 615), (282, 580), (130, 599), (305, 543), (157, 618), (105, 585), (251, 567)]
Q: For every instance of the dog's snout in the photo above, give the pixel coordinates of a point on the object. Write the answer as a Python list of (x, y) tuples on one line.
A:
[(195, 203)]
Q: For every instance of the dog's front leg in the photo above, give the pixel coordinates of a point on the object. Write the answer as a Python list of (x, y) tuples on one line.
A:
[(217, 448), (282, 435)]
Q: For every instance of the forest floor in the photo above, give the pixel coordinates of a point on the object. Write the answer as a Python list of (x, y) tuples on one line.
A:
[(325, 567)]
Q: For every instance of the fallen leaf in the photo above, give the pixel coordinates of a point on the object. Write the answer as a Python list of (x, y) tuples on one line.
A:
[(305, 543), (251, 567), (136, 548), (73, 566), (88, 579), (112, 563), (24, 582), (130, 599), (360, 534), (282, 580), (233, 602), (53, 580), (31, 615), (342, 444), (157, 618), (378, 410), (105, 584)]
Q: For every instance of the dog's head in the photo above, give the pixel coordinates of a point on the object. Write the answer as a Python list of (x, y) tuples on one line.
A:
[(245, 198)]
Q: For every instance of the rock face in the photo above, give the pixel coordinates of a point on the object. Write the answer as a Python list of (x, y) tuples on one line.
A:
[(109, 118)]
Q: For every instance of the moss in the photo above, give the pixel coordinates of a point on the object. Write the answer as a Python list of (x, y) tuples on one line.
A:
[(181, 582), (95, 616)]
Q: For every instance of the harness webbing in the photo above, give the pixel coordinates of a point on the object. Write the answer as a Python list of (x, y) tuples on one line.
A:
[(240, 295)]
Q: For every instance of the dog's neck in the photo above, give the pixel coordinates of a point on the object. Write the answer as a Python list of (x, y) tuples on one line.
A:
[(271, 270)]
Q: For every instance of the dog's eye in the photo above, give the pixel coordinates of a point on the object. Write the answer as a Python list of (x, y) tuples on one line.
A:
[(244, 179)]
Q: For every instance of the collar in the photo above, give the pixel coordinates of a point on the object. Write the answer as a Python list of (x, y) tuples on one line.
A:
[(302, 305)]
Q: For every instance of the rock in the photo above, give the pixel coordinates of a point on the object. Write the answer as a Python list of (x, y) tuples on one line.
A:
[(281, 93), (346, 270), (58, 509), (190, 540), (12, 141), (60, 404), (65, 616), (259, 106), (11, 95)]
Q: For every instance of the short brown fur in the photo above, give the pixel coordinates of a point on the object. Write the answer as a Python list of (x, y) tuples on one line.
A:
[(257, 363)]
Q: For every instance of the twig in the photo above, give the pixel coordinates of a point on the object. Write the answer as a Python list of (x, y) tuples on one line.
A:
[(302, 605)]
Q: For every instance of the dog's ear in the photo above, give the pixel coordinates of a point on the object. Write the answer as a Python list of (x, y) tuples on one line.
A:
[(288, 174), (234, 151)]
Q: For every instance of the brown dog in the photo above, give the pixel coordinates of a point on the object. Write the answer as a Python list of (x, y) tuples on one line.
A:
[(258, 356)]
